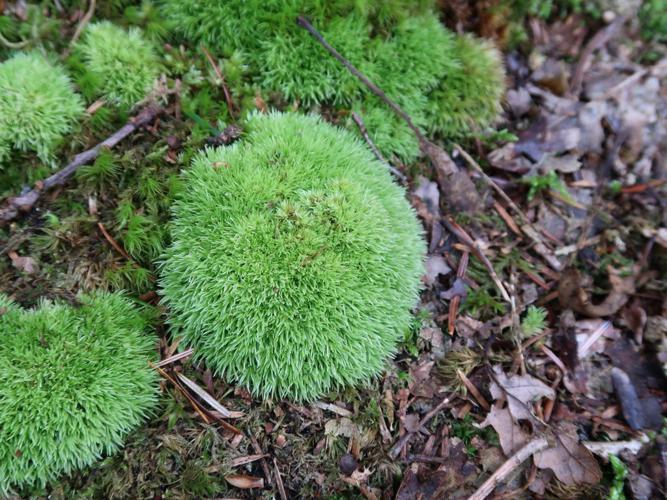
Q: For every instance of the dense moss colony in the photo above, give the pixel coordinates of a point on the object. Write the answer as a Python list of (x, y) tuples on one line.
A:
[(450, 85), (75, 381), (122, 64), (295, 259), (38, 105)]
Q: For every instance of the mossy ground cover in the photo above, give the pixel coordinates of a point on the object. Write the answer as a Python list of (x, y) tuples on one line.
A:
[(129, 191)]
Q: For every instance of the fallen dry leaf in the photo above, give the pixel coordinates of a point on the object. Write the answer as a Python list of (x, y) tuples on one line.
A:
[(435, 266), (244, 482), (572, 295), (26, 264), (521, 392), (511, 435), (569, 460), (341, 427)]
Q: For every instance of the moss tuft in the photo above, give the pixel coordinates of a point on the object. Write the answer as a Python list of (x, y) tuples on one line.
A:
[(294, 260), (468, 98), (302, 69), (38, 105), (76, 382), (123, 64), (653, 18)]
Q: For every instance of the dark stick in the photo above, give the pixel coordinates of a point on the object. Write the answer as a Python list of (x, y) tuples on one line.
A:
[(364, 132), (25, 202), (302, 21)]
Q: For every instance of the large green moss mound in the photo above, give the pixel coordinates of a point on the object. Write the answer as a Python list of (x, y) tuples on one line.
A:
[(75, 382), (38, 105), (295, 259)]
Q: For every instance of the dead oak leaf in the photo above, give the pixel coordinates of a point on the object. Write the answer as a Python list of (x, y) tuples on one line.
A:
[(521, 391), (511, 435), (569, 460)]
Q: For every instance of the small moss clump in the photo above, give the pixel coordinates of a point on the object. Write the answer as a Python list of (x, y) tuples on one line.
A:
[(38, 105), (122, 63), (653, 18), (468, 97), (295, 259), (76, 381)]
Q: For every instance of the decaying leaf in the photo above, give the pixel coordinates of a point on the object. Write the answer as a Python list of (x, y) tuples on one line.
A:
[(511, 435), (640, 413), (341, 427), (572, 294), (521, 391), (569, 460), (245, 482), (26, 264), (435, 266)]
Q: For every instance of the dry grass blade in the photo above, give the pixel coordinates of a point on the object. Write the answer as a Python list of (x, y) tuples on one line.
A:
[(204, 395), (176, 357), (237, 462)]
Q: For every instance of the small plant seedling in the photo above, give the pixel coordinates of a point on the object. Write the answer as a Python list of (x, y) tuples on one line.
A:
[(534, 322), (540, 183)]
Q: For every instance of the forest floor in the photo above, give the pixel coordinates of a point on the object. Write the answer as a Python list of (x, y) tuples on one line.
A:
[(542, 328)]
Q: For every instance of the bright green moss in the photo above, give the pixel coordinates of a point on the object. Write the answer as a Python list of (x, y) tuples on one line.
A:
[(468, 98), (390, 133), (653, 18), (406, 65), (301, 69), (294, 260), (230, 25), (75, 382), (38, 105), (413, 58), (123, 63)]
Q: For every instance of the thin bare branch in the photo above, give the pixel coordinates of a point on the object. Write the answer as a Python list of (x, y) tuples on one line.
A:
[(25, 202), (536, 445)]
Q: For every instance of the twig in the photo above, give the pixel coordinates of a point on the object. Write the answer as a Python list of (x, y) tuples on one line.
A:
[(279, 480), (364, 132), (473, 390), (205, 396), (84, 21), (258, 450), (465, 238), (223, 82), (25, 202), (178, 386), (456, 299), (530, 231), (237, 462), (597, 42), (536, 445), (176, 357), (396, 449), (113, 242), (303, 22), (13, 45)]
